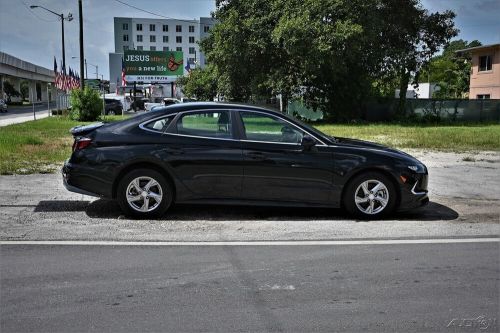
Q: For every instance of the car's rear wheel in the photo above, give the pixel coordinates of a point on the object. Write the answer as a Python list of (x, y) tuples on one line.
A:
[(370, 195), (144, 193)]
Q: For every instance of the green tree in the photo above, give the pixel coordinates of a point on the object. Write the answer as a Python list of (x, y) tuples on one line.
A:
[(450, 70), (200, 83), (330, 52), (9, 90), (25, 90), (86, 105)]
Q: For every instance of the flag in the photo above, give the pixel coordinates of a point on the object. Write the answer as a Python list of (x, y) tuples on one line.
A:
[(124, 83), (188, 67)]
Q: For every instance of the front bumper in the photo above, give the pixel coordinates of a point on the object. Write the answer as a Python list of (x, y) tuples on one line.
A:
[(414, 193)]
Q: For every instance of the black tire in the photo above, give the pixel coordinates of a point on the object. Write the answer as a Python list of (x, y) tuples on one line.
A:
[(156, 209), (374, 199)]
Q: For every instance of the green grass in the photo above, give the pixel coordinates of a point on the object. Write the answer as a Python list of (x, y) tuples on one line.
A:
[(37, 146), (435, 137), (41, 146)]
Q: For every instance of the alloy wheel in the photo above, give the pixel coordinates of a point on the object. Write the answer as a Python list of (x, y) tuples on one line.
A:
[(144, 194), (371, 197)]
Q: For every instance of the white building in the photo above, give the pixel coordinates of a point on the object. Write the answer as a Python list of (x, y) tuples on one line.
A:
[(158, 35), (422, 91)]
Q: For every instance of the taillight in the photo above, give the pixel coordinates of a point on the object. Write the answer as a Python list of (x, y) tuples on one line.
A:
[(81, 143)]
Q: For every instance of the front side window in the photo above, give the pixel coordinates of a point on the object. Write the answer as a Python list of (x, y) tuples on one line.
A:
[(159, 125), (152, 27), (191, 28), (178, 48), (152, 48), (165, 39), (178, 28), (192, 50), (483, 96), (139, 48), (191, 39), (125, 26), (138, 27), (152, 39), (139, 38), (264, 128), (178, 39), (206, 28), (485, 63), (165, 27), (125, 38), (212, 124)]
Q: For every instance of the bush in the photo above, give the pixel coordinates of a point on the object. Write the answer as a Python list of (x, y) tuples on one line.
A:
[(86, 105)]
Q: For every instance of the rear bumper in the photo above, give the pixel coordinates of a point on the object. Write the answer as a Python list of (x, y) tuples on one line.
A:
[(77, 179)]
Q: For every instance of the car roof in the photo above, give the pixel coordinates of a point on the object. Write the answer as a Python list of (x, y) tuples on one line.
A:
[(192, 106)]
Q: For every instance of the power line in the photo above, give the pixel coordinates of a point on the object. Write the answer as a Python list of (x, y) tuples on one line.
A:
[(159, 15)]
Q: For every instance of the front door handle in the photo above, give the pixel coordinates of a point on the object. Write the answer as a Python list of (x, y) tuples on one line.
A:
[(175, 151)]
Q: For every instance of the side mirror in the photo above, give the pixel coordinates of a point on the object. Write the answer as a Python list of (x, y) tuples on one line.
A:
[(307, 142)]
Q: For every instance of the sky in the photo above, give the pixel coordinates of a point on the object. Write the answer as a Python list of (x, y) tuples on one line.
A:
[(34, 35)]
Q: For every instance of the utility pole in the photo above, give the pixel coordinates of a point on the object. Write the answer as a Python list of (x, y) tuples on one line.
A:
[(82, 58)]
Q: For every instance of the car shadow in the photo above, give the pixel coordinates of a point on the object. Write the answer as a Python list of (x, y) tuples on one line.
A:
[(109, 209)]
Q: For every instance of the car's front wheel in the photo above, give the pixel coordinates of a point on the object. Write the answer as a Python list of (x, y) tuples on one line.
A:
[(144, 193), (370, 195)]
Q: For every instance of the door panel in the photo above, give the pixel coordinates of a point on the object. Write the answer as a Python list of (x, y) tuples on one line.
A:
[(276, 166), (210, 167), (279, 172)]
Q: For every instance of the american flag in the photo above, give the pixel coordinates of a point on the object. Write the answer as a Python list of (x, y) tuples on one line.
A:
[(65, 81), (124, 82)]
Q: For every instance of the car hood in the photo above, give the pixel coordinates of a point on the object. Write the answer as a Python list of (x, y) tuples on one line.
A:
[(354, 143)]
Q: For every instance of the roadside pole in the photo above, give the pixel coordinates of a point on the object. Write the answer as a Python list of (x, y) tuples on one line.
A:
[(33, 104), (48, 101)]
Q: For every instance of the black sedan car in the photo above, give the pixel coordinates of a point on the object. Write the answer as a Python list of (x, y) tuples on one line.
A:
[(213, 153)]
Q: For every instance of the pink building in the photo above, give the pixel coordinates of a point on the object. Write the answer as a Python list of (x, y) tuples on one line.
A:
[(485, 73)]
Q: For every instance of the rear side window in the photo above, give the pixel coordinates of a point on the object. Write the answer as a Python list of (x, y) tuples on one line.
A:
[(212, 124), (159, 125)]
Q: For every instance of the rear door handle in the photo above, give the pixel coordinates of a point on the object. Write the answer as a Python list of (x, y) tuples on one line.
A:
[(256, 155)]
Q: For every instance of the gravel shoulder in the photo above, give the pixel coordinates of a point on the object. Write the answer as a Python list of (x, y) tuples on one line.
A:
[(464, 193)]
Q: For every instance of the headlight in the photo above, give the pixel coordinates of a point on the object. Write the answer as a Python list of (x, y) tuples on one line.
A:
[(418, 168)]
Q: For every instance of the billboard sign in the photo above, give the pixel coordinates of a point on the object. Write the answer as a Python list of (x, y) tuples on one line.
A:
[(153, 66)]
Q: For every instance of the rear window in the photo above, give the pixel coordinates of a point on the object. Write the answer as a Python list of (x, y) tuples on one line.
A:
[(159, 125)]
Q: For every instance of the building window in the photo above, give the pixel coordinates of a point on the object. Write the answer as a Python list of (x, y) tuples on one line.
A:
[(125, 47), (191, 28), (166, 48), (139, 38), (152, 27), (125, 26), (178, 48), (483, 96), (138, 27), (125, 38), (152, 48), (178, 28), (485, 63), (191, 39), (191, 50), (165, 27), (165, 39), (178, 39), (152, 39), (191, 61), (139, 48), (206, 28)]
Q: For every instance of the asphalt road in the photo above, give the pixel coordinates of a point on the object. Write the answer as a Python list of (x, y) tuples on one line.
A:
[(341, 288), (23, 111)]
